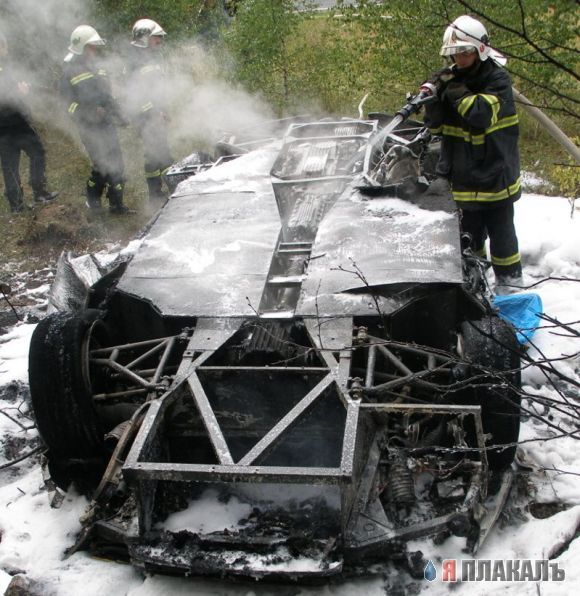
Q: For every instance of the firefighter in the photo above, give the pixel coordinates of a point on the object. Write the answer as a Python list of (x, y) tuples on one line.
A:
[(147, 105), (89, 101), (17, 136), (475, 115)]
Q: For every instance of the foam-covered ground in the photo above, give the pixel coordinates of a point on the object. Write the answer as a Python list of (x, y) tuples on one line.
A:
[(34, 536)]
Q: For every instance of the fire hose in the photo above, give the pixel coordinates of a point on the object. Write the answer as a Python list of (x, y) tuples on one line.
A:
[(549, 125)]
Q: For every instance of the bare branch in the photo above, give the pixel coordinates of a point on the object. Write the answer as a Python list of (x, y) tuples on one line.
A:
[(24, 428), (361, 276), (20, 458), (550, 278), (522, 18), (521, 34)]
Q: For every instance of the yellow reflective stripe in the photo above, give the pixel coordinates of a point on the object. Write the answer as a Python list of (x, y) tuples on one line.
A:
[(72, 108), (503, 123), (91, 183), (81, 77), (488, 197), (482, 252), (465, 104), (154, 174), (149, 68), (495, 113), (436, 130), (146, 107), (511, 260), (118, 187), (165, 170), (493, 101), (102, 72), (456, 131)]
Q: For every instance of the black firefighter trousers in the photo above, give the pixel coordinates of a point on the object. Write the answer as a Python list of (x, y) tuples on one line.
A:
[(108, 169), (153, 131), (497, 223), (14, 141)]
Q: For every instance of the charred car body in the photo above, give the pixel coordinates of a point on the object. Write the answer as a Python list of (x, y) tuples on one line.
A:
[(311, 342)]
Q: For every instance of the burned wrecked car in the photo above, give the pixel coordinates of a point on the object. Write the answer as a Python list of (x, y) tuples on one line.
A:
[(301, 338)]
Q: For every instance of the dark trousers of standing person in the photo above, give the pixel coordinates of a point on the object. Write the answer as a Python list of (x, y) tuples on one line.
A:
[(497, 223), (153, 131), (108, 168), (12, 143)]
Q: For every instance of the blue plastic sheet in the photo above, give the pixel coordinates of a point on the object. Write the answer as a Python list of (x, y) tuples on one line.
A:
[(522, 311)]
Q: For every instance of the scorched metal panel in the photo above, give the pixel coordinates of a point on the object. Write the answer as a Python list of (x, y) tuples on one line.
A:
[(207, 255), (386, 241)]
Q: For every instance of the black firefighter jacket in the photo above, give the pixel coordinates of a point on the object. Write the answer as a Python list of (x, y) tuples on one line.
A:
[(85, 87), (145, 85), (479, 151), (14, 114)]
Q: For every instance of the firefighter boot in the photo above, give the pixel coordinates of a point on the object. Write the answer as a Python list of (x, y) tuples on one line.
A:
[(508, 279), (95, 187), (115, 196), (44, 196)]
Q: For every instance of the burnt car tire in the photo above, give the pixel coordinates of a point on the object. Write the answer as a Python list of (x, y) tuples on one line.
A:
[(491, 344), (60, 390)]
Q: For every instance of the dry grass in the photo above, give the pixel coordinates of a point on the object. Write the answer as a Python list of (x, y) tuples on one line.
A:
[(37, 236)]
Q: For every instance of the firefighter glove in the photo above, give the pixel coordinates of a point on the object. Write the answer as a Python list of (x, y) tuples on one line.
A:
[(441, 76), (455, 91)]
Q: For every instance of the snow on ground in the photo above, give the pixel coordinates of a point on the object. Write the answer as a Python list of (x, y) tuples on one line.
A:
[(532, 183), (14, 354), (34, 536)]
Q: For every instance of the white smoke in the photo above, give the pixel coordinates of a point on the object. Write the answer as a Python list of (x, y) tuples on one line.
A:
[(38, 31), (202, 105), (205, 106)]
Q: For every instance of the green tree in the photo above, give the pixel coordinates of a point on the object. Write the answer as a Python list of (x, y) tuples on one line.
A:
[(259, 40), (539, 37), (180, 18)]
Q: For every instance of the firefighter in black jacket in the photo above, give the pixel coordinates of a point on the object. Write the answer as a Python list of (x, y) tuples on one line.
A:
[(17, 135), (477, 119), (89, 101), (146, 97)]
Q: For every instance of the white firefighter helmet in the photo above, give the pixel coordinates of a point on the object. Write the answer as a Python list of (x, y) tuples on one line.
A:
[(82, 36), (143, 29), (466, 34)]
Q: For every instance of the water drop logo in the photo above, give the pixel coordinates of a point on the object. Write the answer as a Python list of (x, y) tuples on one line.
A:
[(430, 573)]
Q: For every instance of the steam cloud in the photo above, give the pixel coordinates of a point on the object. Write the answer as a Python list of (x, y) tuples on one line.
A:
[(203, 105)]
